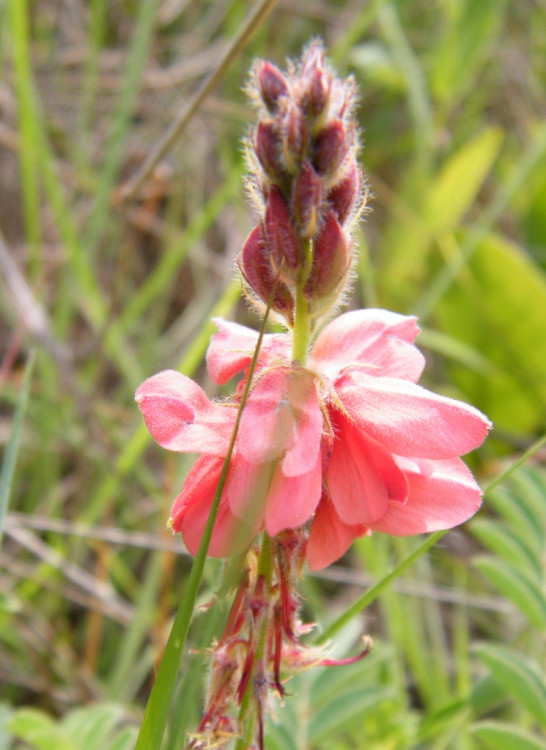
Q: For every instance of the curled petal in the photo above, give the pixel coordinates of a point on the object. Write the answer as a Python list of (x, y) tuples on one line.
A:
[(282, 418), (362, 476), (409, 420), (442, 494), (379, 341), (232, 347), (192, 507), (181, 418), (329, 537)]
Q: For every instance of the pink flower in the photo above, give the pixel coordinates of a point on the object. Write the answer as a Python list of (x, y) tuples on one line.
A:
[(351, 442)]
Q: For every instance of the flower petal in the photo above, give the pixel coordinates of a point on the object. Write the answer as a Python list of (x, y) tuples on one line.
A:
[(329, 537), (282, 417), (181, 418), (442, 494), (292, 500), (191, 509), (362, 476), (409, 420), (232, 348), (378, 340)]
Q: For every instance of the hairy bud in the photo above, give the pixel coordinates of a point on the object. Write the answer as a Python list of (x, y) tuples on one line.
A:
[(271, 84), (308, 196)]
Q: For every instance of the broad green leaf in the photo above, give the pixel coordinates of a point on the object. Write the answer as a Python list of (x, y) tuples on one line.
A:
[(506, 737), (443, 719), (125, 740), (40, 731), (507, 545), (521, 680), (515, 586), (456, 186), (497, 307), (93, 725), (486, 695)]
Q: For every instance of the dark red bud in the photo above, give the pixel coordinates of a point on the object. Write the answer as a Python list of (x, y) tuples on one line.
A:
[(316, 82), (308, 195), (281, 236), (295, 138), (342, 197), (271, 84), (255, 264), (268, 148), (330, 148), (331, 260)]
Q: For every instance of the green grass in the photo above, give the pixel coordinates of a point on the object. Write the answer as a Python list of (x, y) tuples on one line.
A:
[(455, 151)]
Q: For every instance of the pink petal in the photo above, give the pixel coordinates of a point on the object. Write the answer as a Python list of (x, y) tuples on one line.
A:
[(409, 420), (232, 348), (329, 537), (292, 500), (191, 510), (282, 417), (362, 476), (442, 494), (379, 340), (181, 418), (247, 487)]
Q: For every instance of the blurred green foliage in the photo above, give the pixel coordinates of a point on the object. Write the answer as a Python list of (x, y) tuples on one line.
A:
[(109, 291)]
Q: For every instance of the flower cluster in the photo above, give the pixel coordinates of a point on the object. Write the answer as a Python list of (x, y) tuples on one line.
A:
[(306, 184)]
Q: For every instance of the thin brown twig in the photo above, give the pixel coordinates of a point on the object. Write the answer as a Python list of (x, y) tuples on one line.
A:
[(252, 23)]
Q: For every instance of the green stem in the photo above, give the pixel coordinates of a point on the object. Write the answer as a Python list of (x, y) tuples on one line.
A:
[(247, 717), (302, 322)]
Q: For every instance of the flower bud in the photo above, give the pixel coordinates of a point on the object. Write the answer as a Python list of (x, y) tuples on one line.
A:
[(271, 84), (331, 262), (343, 196), (257, 269), (295, 138), (281, 236), (308, 195), (267, 146), (316, 82), (330, 148)]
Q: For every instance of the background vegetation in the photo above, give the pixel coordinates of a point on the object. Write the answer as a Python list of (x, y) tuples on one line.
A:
[(99, 290)]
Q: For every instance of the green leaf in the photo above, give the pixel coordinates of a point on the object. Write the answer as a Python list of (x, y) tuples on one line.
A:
[(125, 740), (507, 545), (521, 680), (510, 336), (342, 709), (455, 188), (506, 737), (509, 506), (515, 586), (40, 731), (486, 695), (92, 726)]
